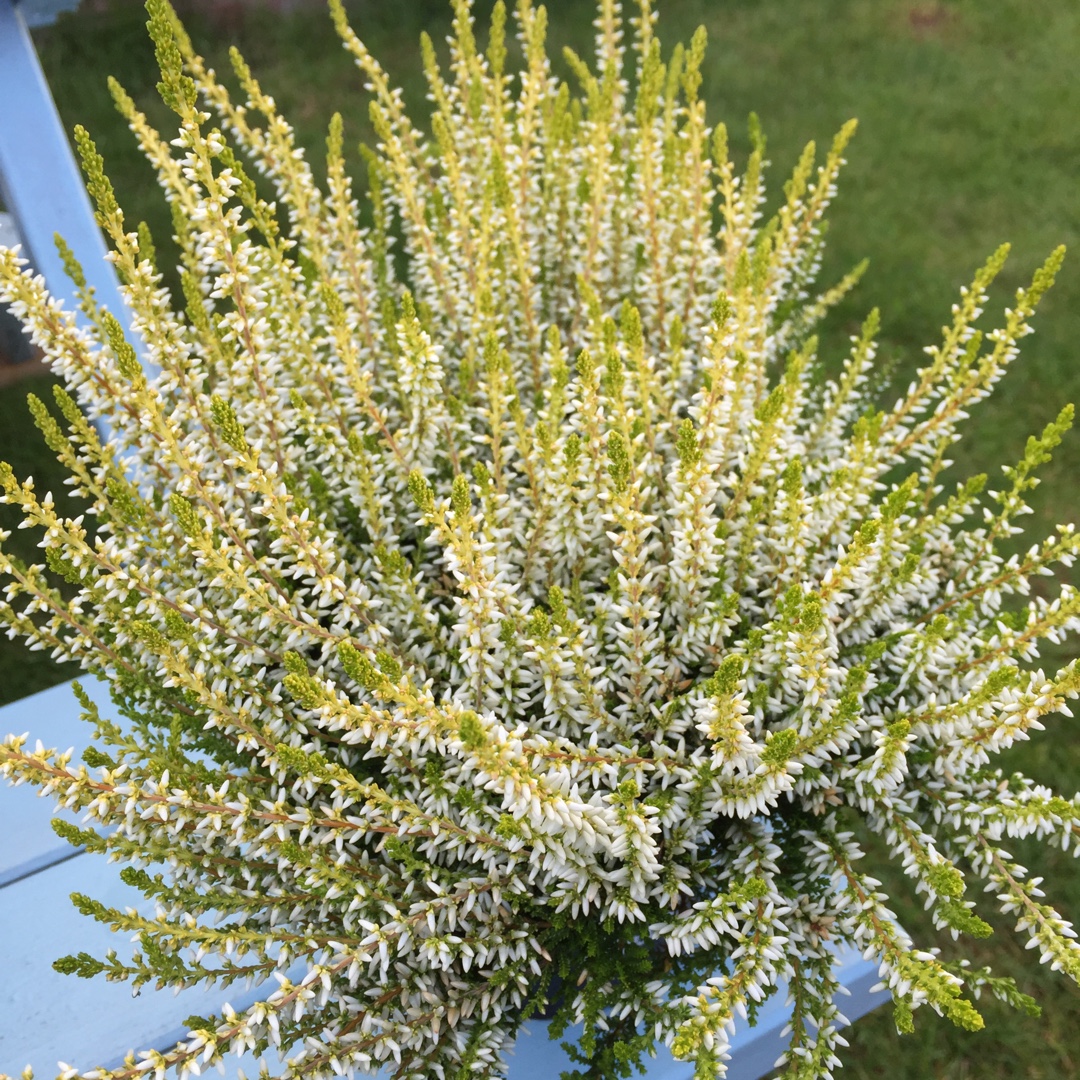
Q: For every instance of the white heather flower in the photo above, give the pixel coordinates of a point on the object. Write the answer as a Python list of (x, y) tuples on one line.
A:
[(523, 601)]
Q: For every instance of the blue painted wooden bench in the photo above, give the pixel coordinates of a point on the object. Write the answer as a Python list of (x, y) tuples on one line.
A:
[(39, 181), (45, 1017)]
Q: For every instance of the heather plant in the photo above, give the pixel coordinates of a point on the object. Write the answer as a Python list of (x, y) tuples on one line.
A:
[(506, 611)]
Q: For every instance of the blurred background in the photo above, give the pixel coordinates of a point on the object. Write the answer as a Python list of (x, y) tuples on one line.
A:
[(969, 136)]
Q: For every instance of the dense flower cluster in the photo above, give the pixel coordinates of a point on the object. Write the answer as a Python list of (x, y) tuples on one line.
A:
[(523, 603)]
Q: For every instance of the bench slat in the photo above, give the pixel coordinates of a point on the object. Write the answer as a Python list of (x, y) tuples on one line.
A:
[(27, 841), (39, 178), (46, 1017)]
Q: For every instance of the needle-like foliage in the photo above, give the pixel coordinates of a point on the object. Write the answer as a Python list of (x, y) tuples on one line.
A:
[(495, 592)]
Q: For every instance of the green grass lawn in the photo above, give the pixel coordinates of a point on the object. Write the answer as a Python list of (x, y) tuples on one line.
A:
[(969, 135)]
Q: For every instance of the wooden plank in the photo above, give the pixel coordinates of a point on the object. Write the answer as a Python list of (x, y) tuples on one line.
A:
[(40, 181), (46, 1017), (27, 841), (754, 1051)]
